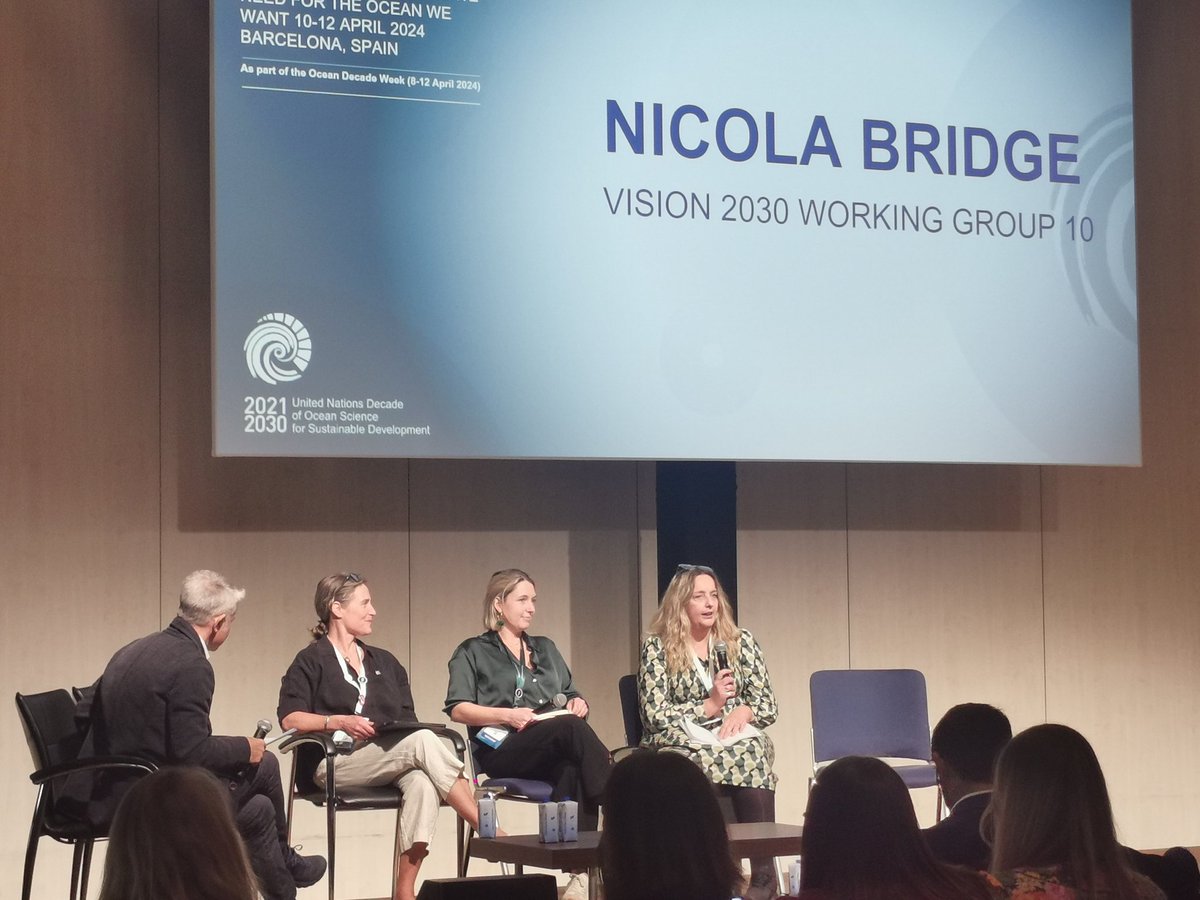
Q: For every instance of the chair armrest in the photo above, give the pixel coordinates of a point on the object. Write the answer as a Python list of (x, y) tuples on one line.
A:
[(41, 776), (321, 738)]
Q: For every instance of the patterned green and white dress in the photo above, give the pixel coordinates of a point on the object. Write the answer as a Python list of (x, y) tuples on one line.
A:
[(666, 699)]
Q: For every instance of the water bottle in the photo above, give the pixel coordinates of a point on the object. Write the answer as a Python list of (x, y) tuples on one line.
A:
[(487, 816)]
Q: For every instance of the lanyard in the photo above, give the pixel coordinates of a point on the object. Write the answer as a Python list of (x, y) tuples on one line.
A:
[(519, 692), (702, 670), (359, 683)]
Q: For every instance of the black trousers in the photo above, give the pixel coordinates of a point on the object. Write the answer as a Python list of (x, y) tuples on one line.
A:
[(261, 816), (563, 751)]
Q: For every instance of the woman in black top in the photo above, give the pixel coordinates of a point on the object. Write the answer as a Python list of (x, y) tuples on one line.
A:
[(497, 682), (339, 684)]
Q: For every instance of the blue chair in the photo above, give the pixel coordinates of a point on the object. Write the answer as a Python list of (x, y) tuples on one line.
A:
[(873, 712), (522, 790)]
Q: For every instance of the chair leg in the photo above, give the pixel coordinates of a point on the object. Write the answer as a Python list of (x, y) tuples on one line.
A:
[(330, 832), (465, 858), (30, 857), (460, 834), (35, 833), (76, 868), (89, 846), (396, 853)]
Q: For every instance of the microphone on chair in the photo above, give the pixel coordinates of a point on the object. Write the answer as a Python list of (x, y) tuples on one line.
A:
[(262, 729)]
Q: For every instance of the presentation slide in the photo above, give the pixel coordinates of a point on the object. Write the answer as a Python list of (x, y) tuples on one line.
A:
[(677, 229)]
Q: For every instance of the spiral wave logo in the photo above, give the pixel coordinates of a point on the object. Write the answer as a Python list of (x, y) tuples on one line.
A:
[(278, 348), (1097, 238)]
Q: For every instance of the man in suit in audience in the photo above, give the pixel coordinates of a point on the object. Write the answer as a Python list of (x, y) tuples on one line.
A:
[(153, 701), (965, 744)]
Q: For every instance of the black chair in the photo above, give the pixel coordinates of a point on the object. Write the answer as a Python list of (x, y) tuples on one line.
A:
[(310, 748), (55, 737), (631, 714)]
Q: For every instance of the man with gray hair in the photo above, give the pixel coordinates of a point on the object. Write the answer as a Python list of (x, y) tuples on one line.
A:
[(153, 701)]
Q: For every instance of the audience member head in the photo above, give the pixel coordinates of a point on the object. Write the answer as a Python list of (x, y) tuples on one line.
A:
[(1050, 807), (174, 838), (672, 625), (966, 742), (862, 842), (663, 832), (500, 585), (330, 590)]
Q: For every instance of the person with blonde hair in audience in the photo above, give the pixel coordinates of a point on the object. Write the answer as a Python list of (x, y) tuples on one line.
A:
[(1052, 825), (174, 838), (861, 841)]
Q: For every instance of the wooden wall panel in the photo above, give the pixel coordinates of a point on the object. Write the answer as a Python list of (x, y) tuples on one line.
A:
[(793, 597), (1122, 571), (945, 577), (79, 373)]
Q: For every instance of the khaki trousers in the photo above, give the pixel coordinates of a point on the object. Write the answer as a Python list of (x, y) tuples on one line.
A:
[(420, 765)]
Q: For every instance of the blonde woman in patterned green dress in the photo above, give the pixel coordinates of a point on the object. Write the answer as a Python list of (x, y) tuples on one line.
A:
[(681, 690)]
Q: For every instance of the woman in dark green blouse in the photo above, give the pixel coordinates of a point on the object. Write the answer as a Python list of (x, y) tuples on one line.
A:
[(500, 680)]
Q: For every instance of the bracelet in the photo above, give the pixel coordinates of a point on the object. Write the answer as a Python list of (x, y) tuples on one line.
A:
[(326, 723)]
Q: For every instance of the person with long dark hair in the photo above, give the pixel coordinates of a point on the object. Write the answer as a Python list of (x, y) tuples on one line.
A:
[(861, 841), (664, 835), (1052, 823), (174, 838)]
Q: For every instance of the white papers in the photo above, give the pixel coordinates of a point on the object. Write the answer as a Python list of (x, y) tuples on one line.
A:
[(701, 735)]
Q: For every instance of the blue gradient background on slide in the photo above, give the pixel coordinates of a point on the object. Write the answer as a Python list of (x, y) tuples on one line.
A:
[(464, 258)]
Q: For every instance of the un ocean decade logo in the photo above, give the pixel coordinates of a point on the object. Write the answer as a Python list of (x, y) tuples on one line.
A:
[(278, 348)]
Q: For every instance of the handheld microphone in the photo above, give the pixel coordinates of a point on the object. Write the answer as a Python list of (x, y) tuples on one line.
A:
[(559, 702), (722, 651), (260, 732)]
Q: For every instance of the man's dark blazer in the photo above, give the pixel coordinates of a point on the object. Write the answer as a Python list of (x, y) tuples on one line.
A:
[(153, 701), (956, 839)]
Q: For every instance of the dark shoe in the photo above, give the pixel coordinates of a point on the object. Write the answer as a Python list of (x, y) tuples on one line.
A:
[(306, 870)]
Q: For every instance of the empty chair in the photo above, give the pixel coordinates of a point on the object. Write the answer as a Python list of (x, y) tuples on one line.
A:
[(54, 738), (873, 712)]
